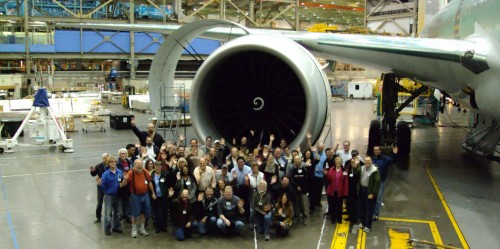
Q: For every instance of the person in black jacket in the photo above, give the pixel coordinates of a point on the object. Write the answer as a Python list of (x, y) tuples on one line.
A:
[(206, 212), (182, 214), (299, 183), (310, 164), (351, 166), (98, 170), (284, 187), (157, 138), (159, 180)]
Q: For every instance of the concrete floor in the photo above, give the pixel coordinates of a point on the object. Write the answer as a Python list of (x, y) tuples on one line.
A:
[(48, 197)]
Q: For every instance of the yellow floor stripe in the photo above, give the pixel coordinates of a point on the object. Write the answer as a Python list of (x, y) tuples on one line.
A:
[(448, 211), (435, 233), (361, 240), (399, 239), (340, 237), (432, 226), (404, 220)]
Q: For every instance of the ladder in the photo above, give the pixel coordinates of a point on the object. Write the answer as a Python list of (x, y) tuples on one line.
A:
[(172, 112)]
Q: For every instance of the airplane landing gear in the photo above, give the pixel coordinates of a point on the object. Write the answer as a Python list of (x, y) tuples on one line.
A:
[(389, 132)]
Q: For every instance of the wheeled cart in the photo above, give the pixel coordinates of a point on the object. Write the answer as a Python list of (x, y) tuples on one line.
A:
[(93, 123)]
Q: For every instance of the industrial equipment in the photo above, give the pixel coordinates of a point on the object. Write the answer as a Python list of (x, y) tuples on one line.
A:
[(44, 128)]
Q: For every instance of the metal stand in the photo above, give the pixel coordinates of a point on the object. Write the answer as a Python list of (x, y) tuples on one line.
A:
[(173, 111), (42, 129)]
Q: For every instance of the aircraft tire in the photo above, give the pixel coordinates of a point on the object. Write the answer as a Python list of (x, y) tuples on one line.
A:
[(374, 137), (403, 138)]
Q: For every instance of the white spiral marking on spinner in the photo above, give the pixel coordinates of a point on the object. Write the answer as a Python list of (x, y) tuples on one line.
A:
[(258, 106)]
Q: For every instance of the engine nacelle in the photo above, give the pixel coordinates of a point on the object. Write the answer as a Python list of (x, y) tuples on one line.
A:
[(267, 84)]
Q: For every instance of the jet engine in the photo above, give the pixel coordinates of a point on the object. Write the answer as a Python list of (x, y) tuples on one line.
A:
[(267, 84)]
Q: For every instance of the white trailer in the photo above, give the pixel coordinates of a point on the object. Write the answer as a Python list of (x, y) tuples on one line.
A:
[(360, 90)]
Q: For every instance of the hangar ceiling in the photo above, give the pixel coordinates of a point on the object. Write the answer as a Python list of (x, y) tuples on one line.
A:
[(333, 12)]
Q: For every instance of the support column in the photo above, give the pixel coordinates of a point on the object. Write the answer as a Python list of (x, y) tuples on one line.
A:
[(132, 42), (52, 68), (414, 31), (251, 10), (164, 6), (178, 8), (222, 10), (27, 40), (297, 21)]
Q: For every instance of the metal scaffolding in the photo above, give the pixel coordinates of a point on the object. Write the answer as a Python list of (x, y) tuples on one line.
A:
[(172, 111)]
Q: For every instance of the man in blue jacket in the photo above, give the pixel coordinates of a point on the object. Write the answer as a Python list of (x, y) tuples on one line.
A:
[(112, 202)]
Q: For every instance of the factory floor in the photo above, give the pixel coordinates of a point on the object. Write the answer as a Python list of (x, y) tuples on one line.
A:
[(442, 194)]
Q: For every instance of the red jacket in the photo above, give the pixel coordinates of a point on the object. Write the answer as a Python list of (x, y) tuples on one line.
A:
[(343, 185)]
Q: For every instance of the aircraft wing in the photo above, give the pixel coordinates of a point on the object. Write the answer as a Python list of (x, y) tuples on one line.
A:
[(423, 59)]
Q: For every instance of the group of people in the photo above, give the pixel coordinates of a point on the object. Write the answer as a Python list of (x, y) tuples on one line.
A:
[(213, 189)]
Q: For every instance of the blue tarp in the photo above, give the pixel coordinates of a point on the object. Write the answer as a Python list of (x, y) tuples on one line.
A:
[(41, 99)]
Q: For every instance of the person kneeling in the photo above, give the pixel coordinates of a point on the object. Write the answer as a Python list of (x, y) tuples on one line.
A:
[(182, 215), (261, 205), (206, 212), (283, 215), (230, 209)]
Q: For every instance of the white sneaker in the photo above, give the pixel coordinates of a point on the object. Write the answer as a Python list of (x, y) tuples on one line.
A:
[(358, 226), (144, 232), (366, 230), (134, 233)]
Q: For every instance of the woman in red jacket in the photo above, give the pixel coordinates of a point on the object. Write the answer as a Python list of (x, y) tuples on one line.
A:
[(337, 189)]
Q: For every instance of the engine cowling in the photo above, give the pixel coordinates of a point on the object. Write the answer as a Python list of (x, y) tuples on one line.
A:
[(267, 84)]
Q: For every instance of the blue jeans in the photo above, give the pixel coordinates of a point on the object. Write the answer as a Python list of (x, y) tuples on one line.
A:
[(140, 203), (251, 218), (235, 224), (263, 222), (182, 232), (112, 205), (204, 228), (380, 196)]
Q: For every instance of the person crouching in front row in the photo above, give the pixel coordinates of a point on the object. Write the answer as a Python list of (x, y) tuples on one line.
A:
[(283, 215), (182, 215), (231, 211)]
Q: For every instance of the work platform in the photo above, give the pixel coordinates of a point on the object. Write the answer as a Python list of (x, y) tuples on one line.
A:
[(48, 198)]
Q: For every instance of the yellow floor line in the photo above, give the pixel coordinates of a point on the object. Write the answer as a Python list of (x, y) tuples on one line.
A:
[(361, 240), (435, 233), (404, 220), (448, 211), (340, 237), (432, 226)]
